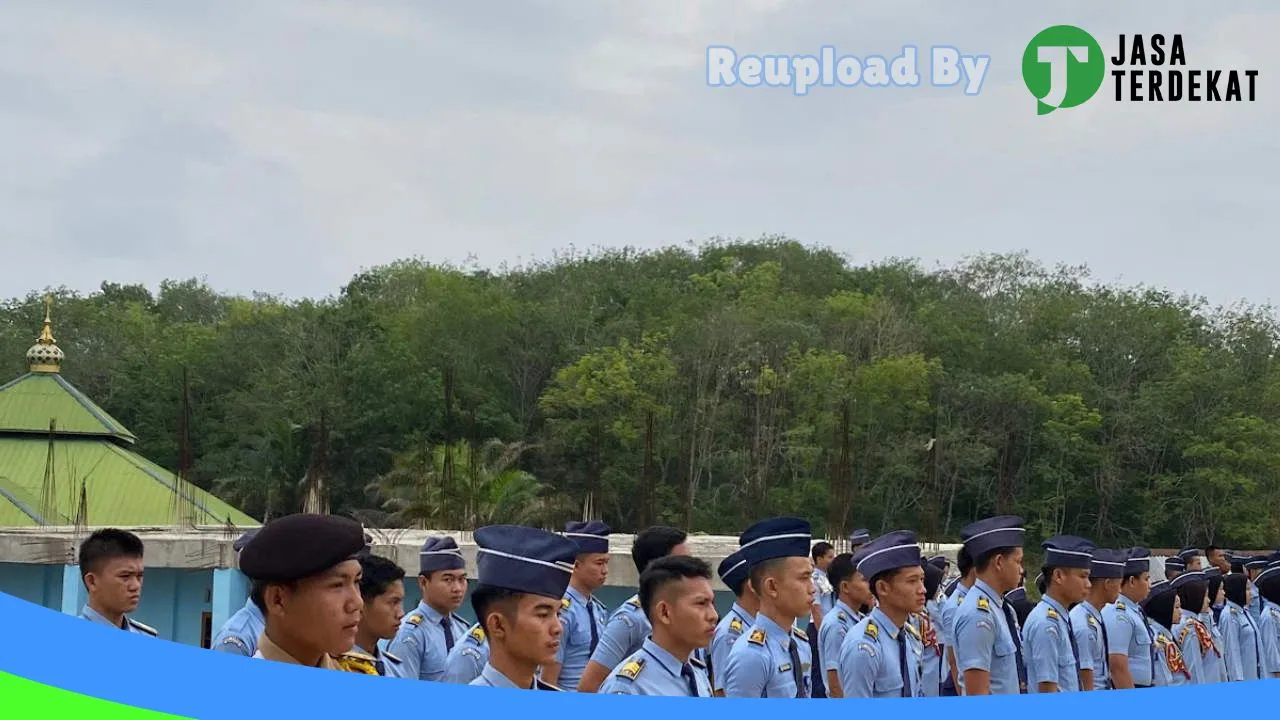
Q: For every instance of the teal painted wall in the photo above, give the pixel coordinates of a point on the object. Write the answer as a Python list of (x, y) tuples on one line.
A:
[(174, 601)]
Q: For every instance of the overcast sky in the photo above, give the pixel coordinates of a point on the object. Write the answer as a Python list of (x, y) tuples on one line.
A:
[(281, 145)]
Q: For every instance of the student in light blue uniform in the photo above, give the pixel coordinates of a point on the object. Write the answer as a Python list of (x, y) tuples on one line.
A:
[(1195, 641), (882, 656), (1268, 584), (1215, 600), (1173, 567), (953, 684), (581, 613), (677, 598), (852, 592), (627, 627), (1106, 570), (1162, 609), (1054, 660), (111, 569), (733, 573), (986, 634), (772, 658), (430, 631), (925, 623), (1242, 643), (522, 574), (1132, 662), (824, 598), (239, 634), (382, 590)]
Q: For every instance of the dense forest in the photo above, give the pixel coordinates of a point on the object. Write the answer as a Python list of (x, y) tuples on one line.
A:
[(704, 387)]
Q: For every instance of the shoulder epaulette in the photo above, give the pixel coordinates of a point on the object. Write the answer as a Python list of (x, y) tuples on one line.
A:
[(1119, 605), (912, 629), (1092, 621), (1233, 610), (697, 663), (477, 633), (631, 669), (144, 628), (842, 616), (735, 625), (800, 634), (959, 599), (983, 605), (634, 601), (872, 631), (391, 657), (415, 619), (1051, 614), (355, 662), (756, 637), (564, 603)]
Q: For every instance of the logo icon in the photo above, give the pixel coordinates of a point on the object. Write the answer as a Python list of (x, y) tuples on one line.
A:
[(1063, 66)]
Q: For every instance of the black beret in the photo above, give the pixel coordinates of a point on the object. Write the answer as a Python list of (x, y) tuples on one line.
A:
[(299, 546)]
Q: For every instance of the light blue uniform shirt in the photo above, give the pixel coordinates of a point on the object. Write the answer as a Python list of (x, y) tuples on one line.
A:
[(388, 665), (934, 669), (1046, 646), (654, 671), (420, 642), (129, 624), (1269, 638), (623, 634), (870, 658), (947, 630), (1086, 623), (728, 630), (1165, 646), (835, 626), (467, 658), (490, 677), (1207, 667), (239, 634), (760, 664), (984, 639), (1129, 635), (1242, 645), (576, 613)]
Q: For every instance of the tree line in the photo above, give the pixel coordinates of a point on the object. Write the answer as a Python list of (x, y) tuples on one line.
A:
[(703, 387)]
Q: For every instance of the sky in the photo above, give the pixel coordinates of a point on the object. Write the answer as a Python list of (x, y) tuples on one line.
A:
[(282, 146)]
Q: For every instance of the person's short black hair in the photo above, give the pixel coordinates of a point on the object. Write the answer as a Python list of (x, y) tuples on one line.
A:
[(1045, 577), (105, 545), (964, 562), (1210, 549), (984, 560), (739, 585), (820, 548), (841, 569), (376, 575), (258, 594), (764, 570), (665, 571), (653, 543), (486, 599)]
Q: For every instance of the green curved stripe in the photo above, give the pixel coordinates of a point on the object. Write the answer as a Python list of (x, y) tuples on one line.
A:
[(34, 700)]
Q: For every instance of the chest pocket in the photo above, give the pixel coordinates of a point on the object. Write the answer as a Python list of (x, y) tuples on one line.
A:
[(1141, 637), (1004, 647), (1065, 658), (581, 634)]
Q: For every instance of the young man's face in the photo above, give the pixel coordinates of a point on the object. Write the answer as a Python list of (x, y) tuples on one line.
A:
[(824, 561), (382, 614), (535, 630), (859, 590), (117, 586), (904, 590), (444, 589), (1009, 569), (1074, 583), (321, 612), (792, 583), (592, 570), (687, 608), (1137, 587)]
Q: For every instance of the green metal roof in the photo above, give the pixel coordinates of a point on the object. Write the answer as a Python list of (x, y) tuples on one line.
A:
[(121, 486), (30, 402)]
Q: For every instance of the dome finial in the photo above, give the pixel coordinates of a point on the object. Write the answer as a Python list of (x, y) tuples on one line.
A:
[(45, 356)]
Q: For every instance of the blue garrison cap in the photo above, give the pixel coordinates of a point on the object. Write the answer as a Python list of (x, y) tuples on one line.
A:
[(983, 536), (1107, 564), (1175, 563), (1272, 571), (779, 537), (1189, 553), (244, 539), (1158, 588), (861, 536), (1187, 578), (890, 551), (440, 553), (1018, 594), (591, 537), (1212, 572), (1137, 561), (733, 569), (939, 561), (951, 587), (1068, 551), (1255, 563), (525, 559)]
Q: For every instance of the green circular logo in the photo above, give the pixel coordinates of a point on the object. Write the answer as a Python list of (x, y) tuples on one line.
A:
[(1063, 67)]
